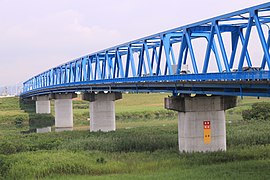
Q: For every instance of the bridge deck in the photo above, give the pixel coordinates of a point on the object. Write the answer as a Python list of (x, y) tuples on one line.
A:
[(233, 84)]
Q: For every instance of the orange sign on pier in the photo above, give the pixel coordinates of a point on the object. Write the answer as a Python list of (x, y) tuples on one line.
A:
[(207, 132)]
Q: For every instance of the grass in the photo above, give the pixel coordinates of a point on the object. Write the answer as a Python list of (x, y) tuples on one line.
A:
[(234, 164), (241, 170), (141, 102), (143, 147)]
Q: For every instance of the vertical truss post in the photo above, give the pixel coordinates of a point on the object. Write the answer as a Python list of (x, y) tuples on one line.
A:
[(39, 81), (154, 52), (80, 70), (234, 41), (54, 76), (208, 50), (172, 54), (181, 54), (84, 69), (166, 41), (140, 65), (51, 77), (245, 43), (61, 74), (148, 57), (128, 61), (111, 66), (262, 38), (187, 33), (90, 69), (114, 65), (47, 78), (108, 66), (154, 58), (74, 72), (97, 68), (132, 62), (87, 69), (70, 72), (158, 71), (96, 64), (264, 58), (104, 64), (222, 48), (120, 64), (66, 73), (144, 64)]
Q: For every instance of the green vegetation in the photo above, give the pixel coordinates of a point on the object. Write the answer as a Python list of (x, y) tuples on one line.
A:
[(258, 111), (143, 147)]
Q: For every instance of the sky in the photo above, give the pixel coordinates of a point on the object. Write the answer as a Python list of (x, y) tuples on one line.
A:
[(36, 35)]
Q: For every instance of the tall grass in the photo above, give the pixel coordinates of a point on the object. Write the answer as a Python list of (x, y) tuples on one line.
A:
[(144, 147), (41, 164)]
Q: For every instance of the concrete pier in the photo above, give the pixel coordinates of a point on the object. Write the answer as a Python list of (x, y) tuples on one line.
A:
[(201, 121), (43, 105), (63, 112), (102, 110)]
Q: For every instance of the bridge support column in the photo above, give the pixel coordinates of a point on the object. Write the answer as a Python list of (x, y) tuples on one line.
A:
[(63, 112), (201, 121), (102, 111), (43, 105)]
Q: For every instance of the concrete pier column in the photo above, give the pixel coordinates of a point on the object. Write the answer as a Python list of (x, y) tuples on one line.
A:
[(201, 121), (63, 112), (43, 105), (102, 111)]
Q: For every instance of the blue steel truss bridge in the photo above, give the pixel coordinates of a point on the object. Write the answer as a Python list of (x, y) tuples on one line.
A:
[(224, 55)]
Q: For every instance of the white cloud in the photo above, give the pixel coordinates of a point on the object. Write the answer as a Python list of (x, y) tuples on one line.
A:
[(44, 42)]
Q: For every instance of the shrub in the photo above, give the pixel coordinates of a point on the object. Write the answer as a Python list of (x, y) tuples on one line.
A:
[(13, 146), (40, 120), (258, 111), (146, 115), (7, 148)]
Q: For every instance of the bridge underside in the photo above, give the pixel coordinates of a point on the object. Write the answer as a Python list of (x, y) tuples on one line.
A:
[(258, 89)]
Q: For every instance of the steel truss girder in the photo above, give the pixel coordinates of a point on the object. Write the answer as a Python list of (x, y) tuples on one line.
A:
[(154, 55)]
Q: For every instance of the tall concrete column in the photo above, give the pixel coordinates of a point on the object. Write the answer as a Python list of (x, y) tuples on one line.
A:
[(43, 105), (63, 112), (201, 121), (102, 111)]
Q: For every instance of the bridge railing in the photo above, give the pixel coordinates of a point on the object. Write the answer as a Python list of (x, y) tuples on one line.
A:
[(171, 52)]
